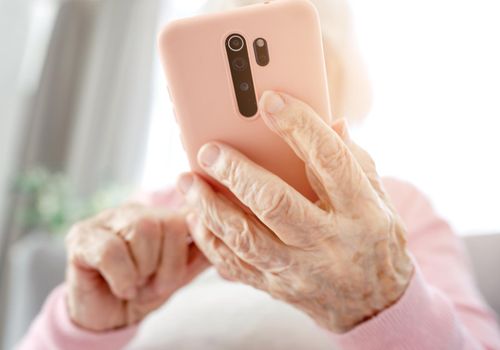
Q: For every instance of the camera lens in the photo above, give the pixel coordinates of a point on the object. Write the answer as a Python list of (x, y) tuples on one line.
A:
[(244, 86), (239, 64), (235, 43)]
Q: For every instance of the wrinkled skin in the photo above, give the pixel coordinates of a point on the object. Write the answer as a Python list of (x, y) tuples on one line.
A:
[(341, 260), (125, 263)]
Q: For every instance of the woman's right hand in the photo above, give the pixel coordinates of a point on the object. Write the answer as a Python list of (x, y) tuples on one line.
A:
[(125, 263)]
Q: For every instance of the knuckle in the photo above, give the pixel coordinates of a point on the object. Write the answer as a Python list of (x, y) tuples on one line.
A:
[(111, 252), (213, 245), (229, 269), (146, 227), (278, 263), (208, 244), (298, 118), (274, 205), (250, 192), (331, 156), (138, 229), (243, 237), (229, 173), (225, 273), (211, 216), (377, 218), (75, 234), (72, 235)]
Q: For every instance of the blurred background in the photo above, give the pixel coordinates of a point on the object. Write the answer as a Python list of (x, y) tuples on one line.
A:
[(85, 121)]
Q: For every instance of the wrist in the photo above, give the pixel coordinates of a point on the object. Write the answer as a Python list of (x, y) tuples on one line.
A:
[(87, 318), (391, 287), (384, 282)]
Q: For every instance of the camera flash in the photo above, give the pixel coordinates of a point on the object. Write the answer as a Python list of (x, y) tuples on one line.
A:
[(261, 52)]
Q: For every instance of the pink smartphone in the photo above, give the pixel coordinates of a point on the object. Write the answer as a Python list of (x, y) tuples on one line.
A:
[(218, 65)]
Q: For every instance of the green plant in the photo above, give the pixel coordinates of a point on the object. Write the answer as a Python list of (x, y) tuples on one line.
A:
[(49, 201)]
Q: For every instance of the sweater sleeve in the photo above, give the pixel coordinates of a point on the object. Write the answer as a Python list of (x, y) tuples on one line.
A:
[(54, 330), (441, 308)]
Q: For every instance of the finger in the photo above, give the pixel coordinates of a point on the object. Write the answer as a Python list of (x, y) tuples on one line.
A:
[(362, 156), (143, 237), (323, 198), (318, 146), (174, 255), (243, 234), (278, 205), (98, 249), (197, 263), (141, 227), (225, 261)]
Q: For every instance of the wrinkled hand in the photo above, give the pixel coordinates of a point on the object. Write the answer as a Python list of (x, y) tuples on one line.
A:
[(341, 260), (125, 263)]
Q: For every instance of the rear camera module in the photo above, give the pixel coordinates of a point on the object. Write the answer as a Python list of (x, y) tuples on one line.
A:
[(241, 74), (235, 43)]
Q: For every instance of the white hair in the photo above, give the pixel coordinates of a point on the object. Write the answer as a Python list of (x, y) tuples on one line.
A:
[(334, 15)]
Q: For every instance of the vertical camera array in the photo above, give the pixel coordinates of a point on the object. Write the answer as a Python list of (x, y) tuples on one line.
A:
[(241, 73)]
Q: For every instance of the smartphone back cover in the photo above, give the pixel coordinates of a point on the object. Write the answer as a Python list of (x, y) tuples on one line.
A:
[(199, 78)]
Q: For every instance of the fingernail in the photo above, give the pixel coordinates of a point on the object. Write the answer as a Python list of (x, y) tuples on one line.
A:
[(273, 103), (185, 182), (131, 293), (209, 154)]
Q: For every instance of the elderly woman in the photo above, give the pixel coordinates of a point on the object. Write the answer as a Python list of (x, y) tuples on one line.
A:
[(370, 262)]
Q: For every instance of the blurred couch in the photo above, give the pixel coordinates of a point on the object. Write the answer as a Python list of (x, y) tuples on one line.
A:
[(36, 265)]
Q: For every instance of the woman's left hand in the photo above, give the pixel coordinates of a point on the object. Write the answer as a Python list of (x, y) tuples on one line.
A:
[(341, 260)]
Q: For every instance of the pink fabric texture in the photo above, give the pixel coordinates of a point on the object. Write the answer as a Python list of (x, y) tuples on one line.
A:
[(54, 330), (441, 309)]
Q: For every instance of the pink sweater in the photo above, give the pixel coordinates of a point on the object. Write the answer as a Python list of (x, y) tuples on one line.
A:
[(441, 309)]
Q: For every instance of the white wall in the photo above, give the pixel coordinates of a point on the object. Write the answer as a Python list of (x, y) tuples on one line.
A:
[(436, 118)]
